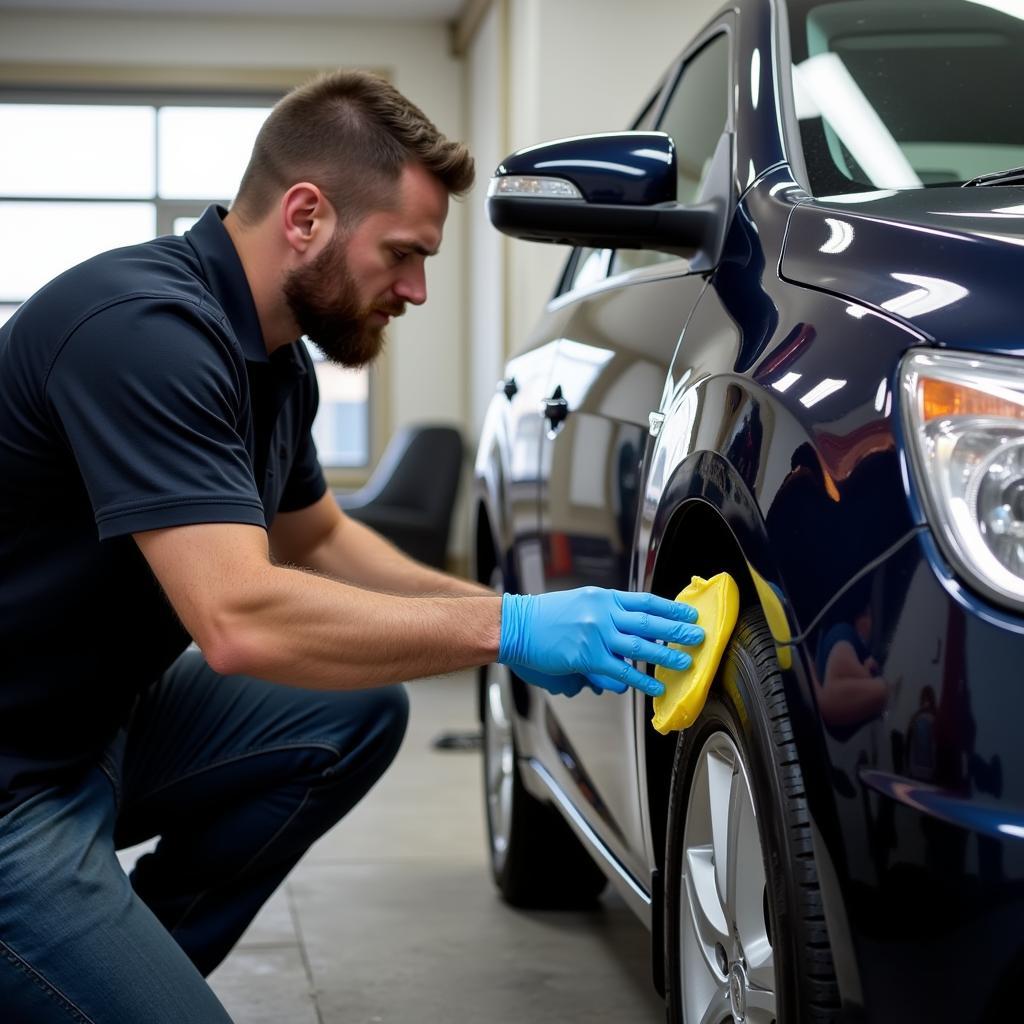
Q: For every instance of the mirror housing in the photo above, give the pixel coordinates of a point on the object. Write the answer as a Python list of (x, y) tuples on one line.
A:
[(615, 191)]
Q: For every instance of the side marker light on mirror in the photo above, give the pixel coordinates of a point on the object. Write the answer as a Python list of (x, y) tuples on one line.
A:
[(533, 187)]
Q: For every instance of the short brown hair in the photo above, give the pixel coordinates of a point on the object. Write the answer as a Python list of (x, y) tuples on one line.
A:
[(350, 133)]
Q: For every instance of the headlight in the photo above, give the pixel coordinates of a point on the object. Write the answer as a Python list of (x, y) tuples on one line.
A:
[(964, 419)]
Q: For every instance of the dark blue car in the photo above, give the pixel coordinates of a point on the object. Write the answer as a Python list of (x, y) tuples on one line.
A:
[(786, 345)]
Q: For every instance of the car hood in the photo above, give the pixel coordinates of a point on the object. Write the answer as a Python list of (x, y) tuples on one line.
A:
[(947, 261)]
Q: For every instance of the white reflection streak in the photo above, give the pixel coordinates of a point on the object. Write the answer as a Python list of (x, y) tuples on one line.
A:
[(836, 94), (654, 154), (785, 383), (598, 165), (1014, 8), (1010, 240), (930, 293), (827, 387), (755, 77), (880, 396), (987, 215), (840, 238)]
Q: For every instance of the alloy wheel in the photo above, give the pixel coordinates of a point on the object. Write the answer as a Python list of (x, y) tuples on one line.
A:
[(727, 962), (499, 759)]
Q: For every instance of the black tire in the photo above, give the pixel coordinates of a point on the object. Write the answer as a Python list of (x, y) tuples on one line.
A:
[(536, 860), (745, 713)]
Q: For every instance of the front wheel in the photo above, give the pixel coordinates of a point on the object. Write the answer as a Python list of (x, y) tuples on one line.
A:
[(745, 937)]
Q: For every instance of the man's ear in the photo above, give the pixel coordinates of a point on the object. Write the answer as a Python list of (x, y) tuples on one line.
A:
[(306, 216)]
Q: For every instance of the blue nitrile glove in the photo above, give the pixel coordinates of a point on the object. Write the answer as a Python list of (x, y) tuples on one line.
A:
[(590, 632), (566, 686)]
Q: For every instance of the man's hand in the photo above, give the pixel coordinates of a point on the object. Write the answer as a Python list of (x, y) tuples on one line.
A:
[(590, 632), (567, 686)]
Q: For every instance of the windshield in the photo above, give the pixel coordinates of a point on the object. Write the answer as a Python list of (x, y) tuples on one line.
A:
[(907, 93)]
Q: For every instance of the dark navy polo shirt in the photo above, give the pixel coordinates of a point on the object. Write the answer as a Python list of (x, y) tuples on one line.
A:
[(135, 393)]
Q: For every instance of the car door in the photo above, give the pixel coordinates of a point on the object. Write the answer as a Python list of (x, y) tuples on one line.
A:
[(615, 341), (524, 386)]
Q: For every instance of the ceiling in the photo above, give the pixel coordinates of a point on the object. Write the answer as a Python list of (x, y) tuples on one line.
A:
[(446, 10)]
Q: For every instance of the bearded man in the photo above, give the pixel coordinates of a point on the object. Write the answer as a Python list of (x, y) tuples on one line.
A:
[(197, 643)]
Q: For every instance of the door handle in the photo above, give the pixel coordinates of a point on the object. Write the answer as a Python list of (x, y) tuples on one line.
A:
[(509, 387), (556, 408)]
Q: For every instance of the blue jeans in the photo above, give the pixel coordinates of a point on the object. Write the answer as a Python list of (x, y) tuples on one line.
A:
[(238, 777)]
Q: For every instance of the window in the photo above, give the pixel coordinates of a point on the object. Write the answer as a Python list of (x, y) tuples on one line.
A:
[(587, 266), (695, 116), (905, 95), (90, 173)]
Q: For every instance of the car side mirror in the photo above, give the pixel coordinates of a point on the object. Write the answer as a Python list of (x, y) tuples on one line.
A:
[(616, 191)]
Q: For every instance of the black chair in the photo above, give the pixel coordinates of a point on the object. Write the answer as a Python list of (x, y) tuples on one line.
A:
[(410, 496)]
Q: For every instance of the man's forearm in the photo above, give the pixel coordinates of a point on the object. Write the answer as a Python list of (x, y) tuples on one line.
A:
[(299, 628), (360, 555)]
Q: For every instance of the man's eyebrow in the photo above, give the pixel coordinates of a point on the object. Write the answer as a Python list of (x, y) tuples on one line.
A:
[(402, 243)]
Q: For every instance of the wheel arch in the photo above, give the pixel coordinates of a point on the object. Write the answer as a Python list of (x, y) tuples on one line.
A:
[(718, 550)]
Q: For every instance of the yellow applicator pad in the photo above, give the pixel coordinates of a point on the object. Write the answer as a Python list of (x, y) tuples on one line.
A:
[(717, 601)]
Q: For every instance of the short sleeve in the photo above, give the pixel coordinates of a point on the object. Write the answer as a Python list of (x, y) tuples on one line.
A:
[(151, 399), (306, 483)]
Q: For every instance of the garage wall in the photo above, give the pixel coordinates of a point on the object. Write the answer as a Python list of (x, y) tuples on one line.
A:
[(486, 119)]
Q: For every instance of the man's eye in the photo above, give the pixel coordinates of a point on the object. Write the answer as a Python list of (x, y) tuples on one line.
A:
[(399, 254)]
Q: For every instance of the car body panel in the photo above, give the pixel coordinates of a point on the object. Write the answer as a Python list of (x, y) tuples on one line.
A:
[(937, 258), (589, 477), (776, 375)]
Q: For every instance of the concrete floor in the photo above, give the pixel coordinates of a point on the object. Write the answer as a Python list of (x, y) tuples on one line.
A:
[(392, 918)]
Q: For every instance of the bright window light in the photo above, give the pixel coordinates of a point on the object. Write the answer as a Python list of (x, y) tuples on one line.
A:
[(182, 224), (29, 258), (74, 150), (204, 150)]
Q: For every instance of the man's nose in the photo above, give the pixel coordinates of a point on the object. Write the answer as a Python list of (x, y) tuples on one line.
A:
[(412, 287)]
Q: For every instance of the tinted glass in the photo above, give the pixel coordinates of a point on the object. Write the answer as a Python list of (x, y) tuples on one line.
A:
[(905, 93), (695, 117), (585, 266)]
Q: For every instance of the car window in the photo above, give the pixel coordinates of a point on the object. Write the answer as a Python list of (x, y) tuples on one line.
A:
[(908, 93), (587, 266), (695, 117)]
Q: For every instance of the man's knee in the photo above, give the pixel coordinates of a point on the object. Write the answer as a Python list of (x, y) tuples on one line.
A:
[(372, 724), (387, 718)]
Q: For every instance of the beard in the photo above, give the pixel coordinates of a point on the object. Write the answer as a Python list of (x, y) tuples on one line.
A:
[(324, 300)]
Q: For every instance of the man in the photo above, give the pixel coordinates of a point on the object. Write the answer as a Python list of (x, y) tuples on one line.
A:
[(161, 487)]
